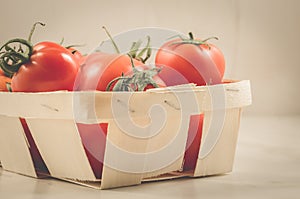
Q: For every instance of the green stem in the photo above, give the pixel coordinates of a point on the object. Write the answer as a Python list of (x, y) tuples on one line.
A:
[(75, 46), (10, 59), (112, 40), (131, 61), (209, 38), (108, 87), (33, 28), (8, 87), (18, 40), (147, 49), (134, 49), (11, 62), (13, 56), (191, 36), (62, 41), (194, 41)]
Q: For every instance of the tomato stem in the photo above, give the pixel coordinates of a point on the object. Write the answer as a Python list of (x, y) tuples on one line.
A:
[(108, 87), (8, 86), (191, 36), (62, 41), (194, 41), (12, 54), (11, 58), (135, 47), (75, 46), (147, 49), (33, 28), (112, 40), (137, 82), (209, 38), (131, 61)]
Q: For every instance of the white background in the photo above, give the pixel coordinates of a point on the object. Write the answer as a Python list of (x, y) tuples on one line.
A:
[(260, 38)]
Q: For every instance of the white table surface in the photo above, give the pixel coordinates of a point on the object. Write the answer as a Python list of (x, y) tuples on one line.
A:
[(267, 165)]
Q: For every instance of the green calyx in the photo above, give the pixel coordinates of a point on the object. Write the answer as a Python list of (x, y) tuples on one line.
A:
[(16, 52), (137, 82), (140, 55), (192, 40), (12, 57), (136, 52)]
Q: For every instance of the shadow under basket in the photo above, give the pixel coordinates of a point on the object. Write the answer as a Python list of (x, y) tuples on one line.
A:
[(114, 139)]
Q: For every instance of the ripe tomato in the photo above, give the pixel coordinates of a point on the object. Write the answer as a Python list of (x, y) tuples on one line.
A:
[(216, 56), (4, 80), (190, 61), (37, 159), (95, 74), (51, 67), (99, 69), (193, 142), (77, 54), (93, 137)]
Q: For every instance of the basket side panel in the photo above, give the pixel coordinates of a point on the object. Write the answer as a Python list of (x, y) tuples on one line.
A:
[(117, 168), (165, 151), (60, 146), (220, 158), (14, 147), (112, 178), (151, 142)]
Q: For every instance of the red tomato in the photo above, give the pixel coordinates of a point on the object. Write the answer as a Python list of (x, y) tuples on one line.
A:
[(37, 159), (99, 69), (185, 62), (51, 67), (216, 56), (95, 74), (193, 142), (93, 137), (1, 72), (4, 80), (77, 54)]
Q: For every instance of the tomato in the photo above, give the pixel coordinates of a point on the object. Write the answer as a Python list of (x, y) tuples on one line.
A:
[(77, 54), (96, 73), (51, 67), (216, 56), (99, 69), (1, 72), (193, 142), (93, 138), (37, 159), (4, 80), (46, 66), (190, 61)]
